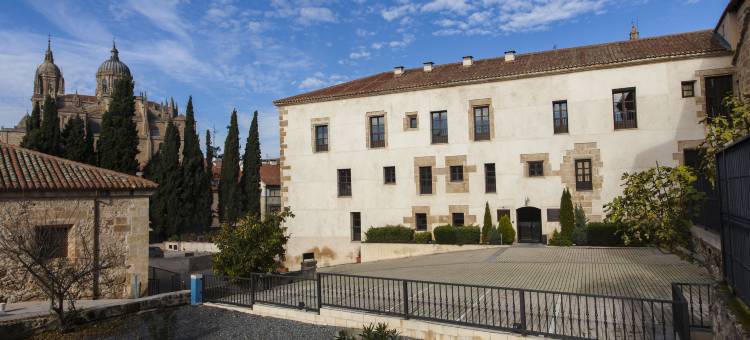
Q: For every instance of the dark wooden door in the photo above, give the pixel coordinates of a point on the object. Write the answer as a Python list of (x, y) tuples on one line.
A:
[(529, 225)]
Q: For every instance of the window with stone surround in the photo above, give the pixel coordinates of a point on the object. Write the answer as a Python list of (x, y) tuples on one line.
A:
[(490, 182), (425, 180), (52, 240), (413, 122), (345, 182), (553, 215), (481, 123), (457, 173), (420, 221), (688, 89), (560, 116), (624, 109), (321, 138), (389, 175), (356, 222), (457, 219), (377, 131), (536, 168), (583, 174), (439, 127)]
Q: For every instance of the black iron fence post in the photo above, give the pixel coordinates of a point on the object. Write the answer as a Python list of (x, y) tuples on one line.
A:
[(318, 291), (522, 302), (252, 290), (406, 298), (680, 318)]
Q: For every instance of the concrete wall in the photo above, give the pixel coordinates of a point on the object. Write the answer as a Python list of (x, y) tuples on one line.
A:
[(522, 129), (415, 329), (123, 227), (386, 251), (208, 247)]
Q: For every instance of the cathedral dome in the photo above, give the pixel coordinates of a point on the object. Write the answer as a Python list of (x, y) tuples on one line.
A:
[(114, 66), (48, 67)]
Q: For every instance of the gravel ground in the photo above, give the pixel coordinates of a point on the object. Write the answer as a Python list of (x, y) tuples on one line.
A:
[(190, 322)]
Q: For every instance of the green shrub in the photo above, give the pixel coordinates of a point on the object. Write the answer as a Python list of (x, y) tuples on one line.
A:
[(445, 234), (494, 236), (559, 241), (468, 234), (505, 228), (579, 232), (389, 234), (487, 224), (603, 235), (422, 237)]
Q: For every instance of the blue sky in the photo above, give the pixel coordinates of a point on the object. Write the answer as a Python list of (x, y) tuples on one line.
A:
[(244, 54)]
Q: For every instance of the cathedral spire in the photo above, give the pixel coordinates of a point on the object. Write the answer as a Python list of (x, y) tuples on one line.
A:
[(115, 53), (48, 55)]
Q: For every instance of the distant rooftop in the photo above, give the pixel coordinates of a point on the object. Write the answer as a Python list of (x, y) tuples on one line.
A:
[(683, 45)]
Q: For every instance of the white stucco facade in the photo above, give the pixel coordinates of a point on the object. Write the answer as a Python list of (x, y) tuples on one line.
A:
[(521, 129)]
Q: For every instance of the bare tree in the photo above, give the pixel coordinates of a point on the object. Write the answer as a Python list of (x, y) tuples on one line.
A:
[(58, 253)]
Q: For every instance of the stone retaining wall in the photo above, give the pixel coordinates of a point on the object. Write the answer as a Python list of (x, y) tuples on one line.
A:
[(386, 251)]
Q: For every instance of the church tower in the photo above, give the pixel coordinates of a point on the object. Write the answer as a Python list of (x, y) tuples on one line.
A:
[(109, 72), (48, 79)]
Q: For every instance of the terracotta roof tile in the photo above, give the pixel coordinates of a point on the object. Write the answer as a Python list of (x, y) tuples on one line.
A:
[(525, 65), (26, 170), (270, 174)]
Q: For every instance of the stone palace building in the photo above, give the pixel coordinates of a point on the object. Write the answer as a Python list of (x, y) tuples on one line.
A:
[(431, 145), (151, 117)]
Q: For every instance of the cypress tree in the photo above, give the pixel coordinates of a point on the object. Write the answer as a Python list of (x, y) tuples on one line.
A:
[(33, 123), (487, 225), (88, 145), (209, 154), (250, 181), (229, 190), (118, 142), (49, 130), (166, 208), (567, 218), (74, 140), (196, 185)]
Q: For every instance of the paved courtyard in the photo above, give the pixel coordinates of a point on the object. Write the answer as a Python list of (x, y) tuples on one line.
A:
[(632, 272)]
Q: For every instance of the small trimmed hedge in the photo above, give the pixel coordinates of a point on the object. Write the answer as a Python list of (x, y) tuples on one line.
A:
[(448, 234), (389, 234), (603, 235), (422, 237)]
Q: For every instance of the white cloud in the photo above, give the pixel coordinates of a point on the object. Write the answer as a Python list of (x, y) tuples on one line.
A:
[(544, 13), (310, 15), (319, 80), (163, 14), (71, 19), (363, 32), (396, 12), (457, 6), (362, 54)]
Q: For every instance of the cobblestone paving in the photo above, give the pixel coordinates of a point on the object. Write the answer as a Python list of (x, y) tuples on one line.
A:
[(632, 272)]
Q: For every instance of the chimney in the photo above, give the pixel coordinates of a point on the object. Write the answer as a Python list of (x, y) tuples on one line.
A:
[(633, 32), (398, 70), (510, 55), (427, 66), (468, 60)]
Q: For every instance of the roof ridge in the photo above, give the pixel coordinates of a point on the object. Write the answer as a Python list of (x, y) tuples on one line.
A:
[(75, 163)]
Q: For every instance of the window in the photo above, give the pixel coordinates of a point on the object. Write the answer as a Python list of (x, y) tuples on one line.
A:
[(489, 177), (421, 221), (583, 174), (457, 173), (536, 168), (553, 215), (560, 116), (717, 88), (389, 175), (502, 212), (52, 240), (356, 220), (273, 198), (482, 123), (623, 105), (439, 127), (308, 256), (457, 219), (345, 182), (377, 132), (412, 121), (425, 180), (321, 138), (688, 89)]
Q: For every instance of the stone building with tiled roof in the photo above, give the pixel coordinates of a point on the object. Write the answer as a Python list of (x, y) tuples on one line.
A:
[(431, 145), (73, 199), (151, 118)]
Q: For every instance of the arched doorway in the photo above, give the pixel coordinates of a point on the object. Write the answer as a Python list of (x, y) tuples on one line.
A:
[(529, 225)]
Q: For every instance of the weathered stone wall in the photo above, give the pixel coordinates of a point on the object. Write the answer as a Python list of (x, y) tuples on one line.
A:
[(742, 55), (123, 227), (724, 322)]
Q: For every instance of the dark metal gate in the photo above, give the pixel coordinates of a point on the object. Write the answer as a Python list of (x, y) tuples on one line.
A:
[(733, 177)]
